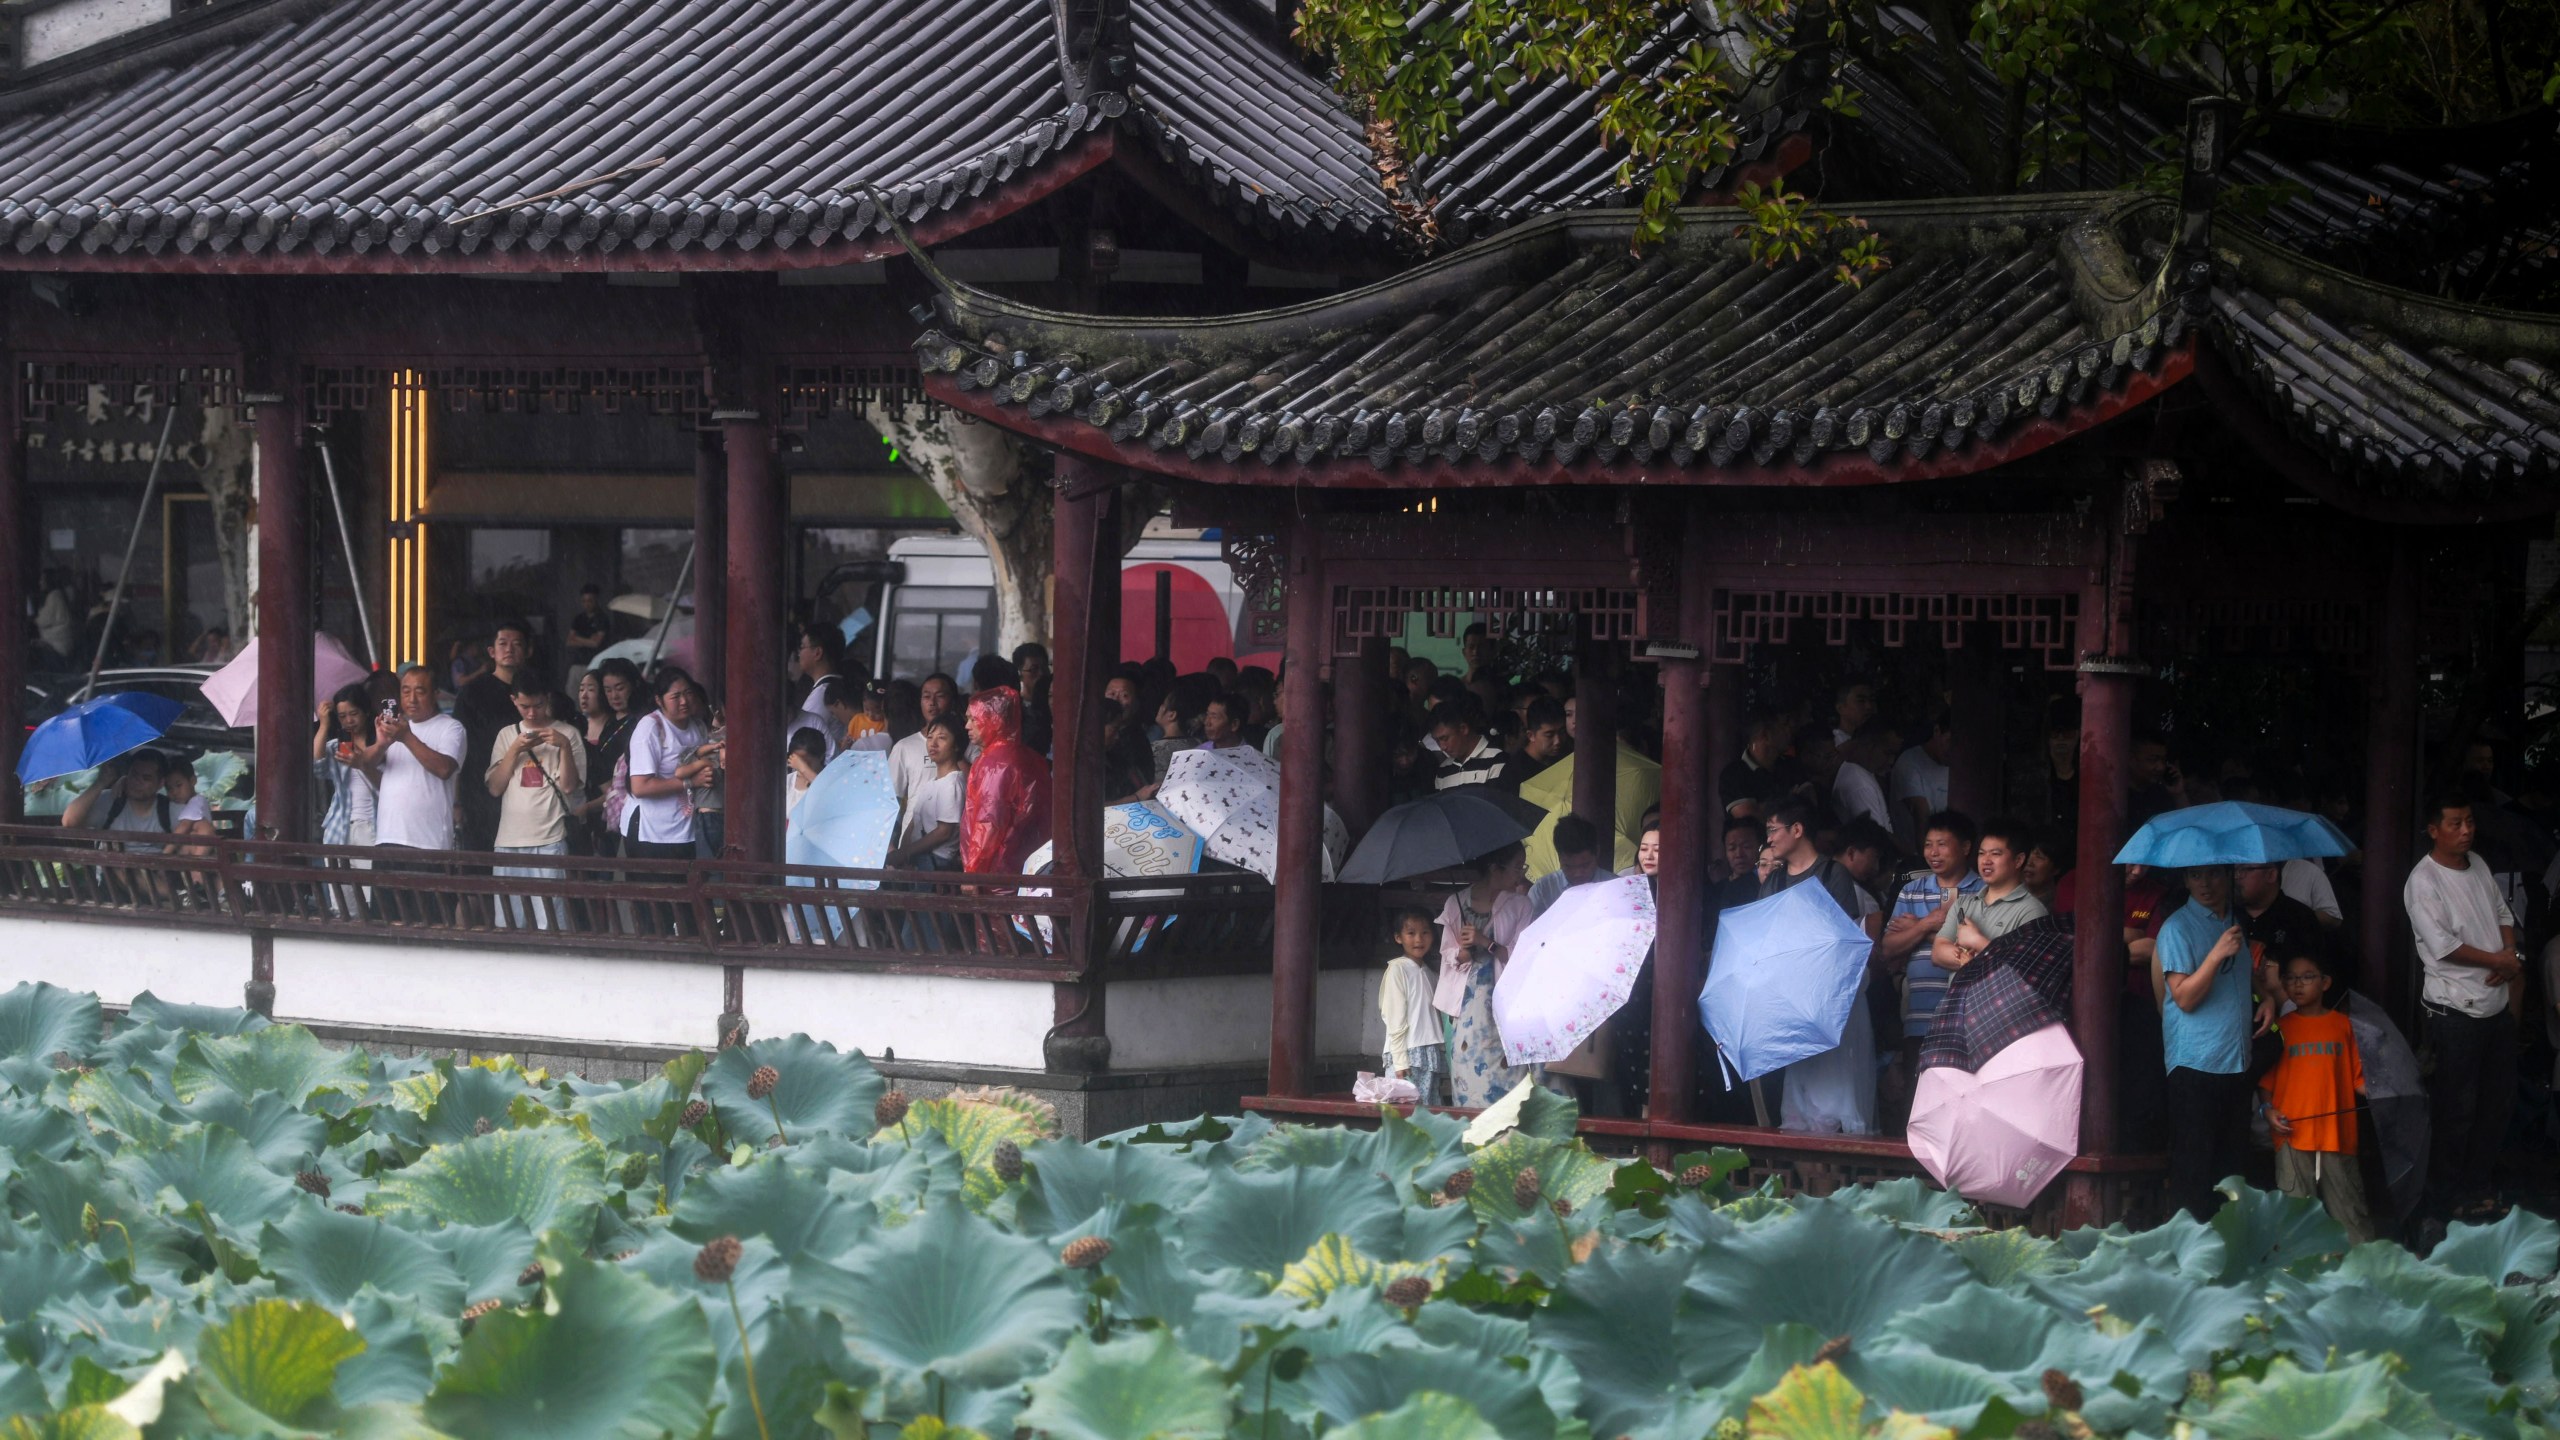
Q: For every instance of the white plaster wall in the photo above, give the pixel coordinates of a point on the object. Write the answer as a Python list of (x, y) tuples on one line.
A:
[(923, 1017), (118, 962), (57, 30), (1222, 1019), (561, 995)]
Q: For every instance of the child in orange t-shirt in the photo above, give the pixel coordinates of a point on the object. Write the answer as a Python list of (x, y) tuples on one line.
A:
[(2311, 1104)]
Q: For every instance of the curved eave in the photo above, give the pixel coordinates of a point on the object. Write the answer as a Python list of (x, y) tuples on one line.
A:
[(1833, 470)]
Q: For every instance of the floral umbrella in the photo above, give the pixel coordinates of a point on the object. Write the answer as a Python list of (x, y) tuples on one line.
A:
[(1573, 968)]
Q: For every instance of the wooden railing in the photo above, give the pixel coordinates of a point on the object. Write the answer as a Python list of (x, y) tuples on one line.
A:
[(773, 915)]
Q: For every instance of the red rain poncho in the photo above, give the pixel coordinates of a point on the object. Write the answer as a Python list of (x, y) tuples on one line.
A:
[(1006, 814)]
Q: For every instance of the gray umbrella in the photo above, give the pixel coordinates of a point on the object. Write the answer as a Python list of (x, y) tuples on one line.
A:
[(1449, 828), (2397, 1097)]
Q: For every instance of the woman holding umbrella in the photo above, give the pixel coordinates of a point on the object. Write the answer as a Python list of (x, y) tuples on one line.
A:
[(1478, 927)]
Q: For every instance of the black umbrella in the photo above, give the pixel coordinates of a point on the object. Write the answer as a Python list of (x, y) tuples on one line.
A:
[(1452, 827)]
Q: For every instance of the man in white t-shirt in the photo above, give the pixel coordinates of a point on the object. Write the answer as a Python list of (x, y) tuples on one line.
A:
[(1855, 789), (415, 756), (2466, 940), (1919, 783)]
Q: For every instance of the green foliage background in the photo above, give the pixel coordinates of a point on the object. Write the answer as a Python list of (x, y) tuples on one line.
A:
[(225, 1228)]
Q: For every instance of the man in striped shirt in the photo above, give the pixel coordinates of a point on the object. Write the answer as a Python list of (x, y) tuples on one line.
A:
[(1466, 756)]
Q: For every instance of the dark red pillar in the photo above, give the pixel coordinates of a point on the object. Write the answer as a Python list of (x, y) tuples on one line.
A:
[(2390, 785), (1084, 644), (1595, 743), (2098, 965), (285, 704), (1688, 844), (711, 558), (1360, 737), (1298, 888), (752, 691), (15, 540)]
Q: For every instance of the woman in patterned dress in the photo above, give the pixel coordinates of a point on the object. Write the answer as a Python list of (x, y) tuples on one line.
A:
[(1478, 927)]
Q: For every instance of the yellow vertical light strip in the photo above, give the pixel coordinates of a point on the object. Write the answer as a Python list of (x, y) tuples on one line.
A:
[(407, 570)]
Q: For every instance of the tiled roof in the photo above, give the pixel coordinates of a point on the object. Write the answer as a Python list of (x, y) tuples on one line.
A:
[(1551, 345)]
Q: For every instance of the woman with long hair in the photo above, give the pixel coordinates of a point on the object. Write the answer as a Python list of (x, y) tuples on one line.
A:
[(1478, 927), (346, 730), (626, 698)]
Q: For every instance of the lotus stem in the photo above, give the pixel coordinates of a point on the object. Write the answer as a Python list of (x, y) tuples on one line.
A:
[(778, 1132), (747, 1357)]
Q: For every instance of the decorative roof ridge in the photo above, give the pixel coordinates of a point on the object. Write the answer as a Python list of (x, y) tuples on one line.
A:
[(2261, 263)]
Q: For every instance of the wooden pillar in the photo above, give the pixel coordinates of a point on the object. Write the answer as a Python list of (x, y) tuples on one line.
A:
[(1360, 737), (16, 540), (1977, 711), (1085, 643), (285, 704), (1595, 744), (752, 689), (2390, 786), (1688, 846), (2098, 963), (1298, 888), (711, 558)]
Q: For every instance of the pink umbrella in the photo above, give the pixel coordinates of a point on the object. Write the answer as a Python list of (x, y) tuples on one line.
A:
[(2000, 1134), (233, 689), (1573, 968)]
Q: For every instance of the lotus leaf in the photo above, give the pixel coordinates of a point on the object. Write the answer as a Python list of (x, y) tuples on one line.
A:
[(1141, 1387), (545, 1179), (1334, 1263), (39, 1021), (321, 1255), (817, 1091), (614, 1358), (1427, 1416), (940, 1297), (150, 1009), (1259, 1223), (2365, 1401), (286, 1059), (212, 1168)]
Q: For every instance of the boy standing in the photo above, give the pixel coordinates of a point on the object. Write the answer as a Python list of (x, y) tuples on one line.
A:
[(1413, 1049), (2311, 1097)]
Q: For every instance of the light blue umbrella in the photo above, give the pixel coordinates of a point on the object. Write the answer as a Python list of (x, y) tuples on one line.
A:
[(845, 820), (1784, 976), (94, 732), (2231, 832)]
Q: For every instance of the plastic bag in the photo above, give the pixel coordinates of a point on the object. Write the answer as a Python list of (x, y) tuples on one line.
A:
[(1006, 814), (1384, 1090)]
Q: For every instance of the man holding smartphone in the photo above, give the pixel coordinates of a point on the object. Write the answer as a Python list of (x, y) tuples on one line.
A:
[(537, 773), (418, 753)]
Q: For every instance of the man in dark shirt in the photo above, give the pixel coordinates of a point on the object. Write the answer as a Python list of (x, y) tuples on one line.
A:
[(1543, 741), (1466, 757), (1789, 828), (486, 705), (2274, 925), (1762, 773), (589, 628)]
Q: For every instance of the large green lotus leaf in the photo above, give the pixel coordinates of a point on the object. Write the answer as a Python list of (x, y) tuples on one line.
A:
[(785, 1201), (1905, 1201), (1918, 1381), (150, 1009), (281, 1136), (33, 1272), (1139, 1387), (2364, 1401), (762, 1282), (974, 1122), (1434, 1232), (1154, 1281), (2522, 1353), (57, 1193), (1068, 1184), (2266, 1230), (1259, 1223), (286, 1059), (2197, 1319), (2521, 1243), (1991, 1329), (85, 1422), (1618, 1319), (1824, 1266), (472, 1099), (624, 1116), (948, 1295), (213, 1168), (121, 1101), (1485, 1333), (819, 1090), (320, 1254), (797, 1353), (487, 1257), (2354, 1320), (29, 1128), (1567, 1172), (1344, 1388), (548, 1179), (612, 1358), (279, 1357), (400, 1345), (1426, 1416), (2180, 1245), (39, 1021), (2467, 1299), (2010, 1257)]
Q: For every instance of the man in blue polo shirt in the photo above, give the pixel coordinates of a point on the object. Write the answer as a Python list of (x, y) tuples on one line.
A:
[(2204, 1032)]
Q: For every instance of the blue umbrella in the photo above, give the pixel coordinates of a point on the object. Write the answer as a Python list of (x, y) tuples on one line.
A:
[(2231, 832), (94, 732), (1782, 981), (845, 821)]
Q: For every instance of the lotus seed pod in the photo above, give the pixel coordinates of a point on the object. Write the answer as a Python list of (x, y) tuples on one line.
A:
[(1562, 1208), (1832, 1349), (1695, 1176), (350, 1209), (1457, 1186), (1408, 1292), (735, 1037), (773, 1141), (618, 1256), (1729, 1428), (2037, 1430), (2061, 1391), (635, 1172), (89, 1222), (1008, 1161), (312, 1182), (1524, 1190), (530, 1275), (761, 1083), (695, 1112), (2200, 1386), (891, 1109), (480, 1126), (717, 1260), (479, 1308), (1085, 1253)]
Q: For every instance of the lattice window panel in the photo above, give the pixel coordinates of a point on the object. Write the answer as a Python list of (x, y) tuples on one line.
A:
[(2258, 627), (1366, 612), (816, 392), (1746, 618), (680, 391), (51, 386)]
